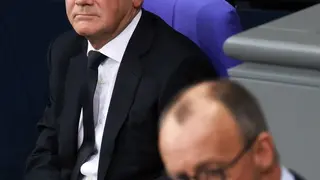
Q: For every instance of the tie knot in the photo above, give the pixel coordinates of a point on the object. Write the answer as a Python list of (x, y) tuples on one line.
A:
[(95, 58)]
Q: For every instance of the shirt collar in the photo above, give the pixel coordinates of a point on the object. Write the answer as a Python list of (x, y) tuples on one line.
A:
[(285, 174), (116, 48)]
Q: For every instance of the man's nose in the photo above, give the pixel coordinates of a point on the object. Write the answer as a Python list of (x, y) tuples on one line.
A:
[(84, 2)]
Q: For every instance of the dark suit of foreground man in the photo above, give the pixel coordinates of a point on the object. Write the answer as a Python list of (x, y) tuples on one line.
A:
[(217, 131), (145, 63)]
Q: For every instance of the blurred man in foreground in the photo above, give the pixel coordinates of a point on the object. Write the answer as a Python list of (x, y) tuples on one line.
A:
[(217, 131)]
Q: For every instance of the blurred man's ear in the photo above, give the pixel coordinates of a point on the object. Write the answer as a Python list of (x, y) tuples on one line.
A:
[(264, 152)]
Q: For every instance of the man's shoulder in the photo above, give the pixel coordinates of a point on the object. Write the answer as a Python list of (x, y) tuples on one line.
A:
[(172, 51), (66, 43), (63, 48), (66, 37), (171, 47), (171, 41)]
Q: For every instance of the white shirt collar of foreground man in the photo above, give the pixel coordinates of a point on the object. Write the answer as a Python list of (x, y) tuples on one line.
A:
[(285, 174)]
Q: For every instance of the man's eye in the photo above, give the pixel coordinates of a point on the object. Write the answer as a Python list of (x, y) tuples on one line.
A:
[(216, 172)]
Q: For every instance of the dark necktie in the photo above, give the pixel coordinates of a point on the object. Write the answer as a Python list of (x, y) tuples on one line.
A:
[(87, 148)]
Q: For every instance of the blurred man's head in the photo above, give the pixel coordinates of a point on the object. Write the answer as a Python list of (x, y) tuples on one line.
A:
[(216, 130), (99, 19)]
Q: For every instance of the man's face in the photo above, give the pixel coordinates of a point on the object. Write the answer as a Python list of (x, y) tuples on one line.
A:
[(96, 17), (206, 141)]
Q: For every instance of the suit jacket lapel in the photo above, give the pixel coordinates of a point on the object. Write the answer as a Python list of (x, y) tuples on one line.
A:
[(128, 78), (72, 106)]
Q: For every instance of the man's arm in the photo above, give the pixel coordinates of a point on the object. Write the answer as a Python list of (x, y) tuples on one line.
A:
[(43, 161), (192, 70)]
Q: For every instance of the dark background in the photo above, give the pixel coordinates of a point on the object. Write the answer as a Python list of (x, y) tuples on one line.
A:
[(26, 29)]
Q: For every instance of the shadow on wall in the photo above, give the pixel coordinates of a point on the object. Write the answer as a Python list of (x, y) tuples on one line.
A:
[(26, 28)]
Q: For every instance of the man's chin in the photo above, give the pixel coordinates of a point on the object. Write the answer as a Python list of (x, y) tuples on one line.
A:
[(85, 32), (85, 29)]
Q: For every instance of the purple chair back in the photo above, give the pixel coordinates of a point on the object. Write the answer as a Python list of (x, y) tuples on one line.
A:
[(208, 23)]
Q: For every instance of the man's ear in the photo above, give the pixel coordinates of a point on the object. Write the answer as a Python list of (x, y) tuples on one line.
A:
[(137, 3), (264, 152)]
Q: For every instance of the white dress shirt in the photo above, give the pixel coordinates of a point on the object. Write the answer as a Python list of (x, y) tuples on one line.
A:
[(286, 175), (107, 73)]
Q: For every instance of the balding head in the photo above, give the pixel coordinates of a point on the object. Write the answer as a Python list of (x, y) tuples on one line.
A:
[(208, 125), (242, 105)]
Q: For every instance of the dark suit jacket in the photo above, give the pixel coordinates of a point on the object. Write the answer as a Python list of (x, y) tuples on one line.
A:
[(296, 175), (157, 64)]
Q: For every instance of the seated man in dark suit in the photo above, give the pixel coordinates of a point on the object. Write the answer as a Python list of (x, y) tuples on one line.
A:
[(109, 81), (216, 130)]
